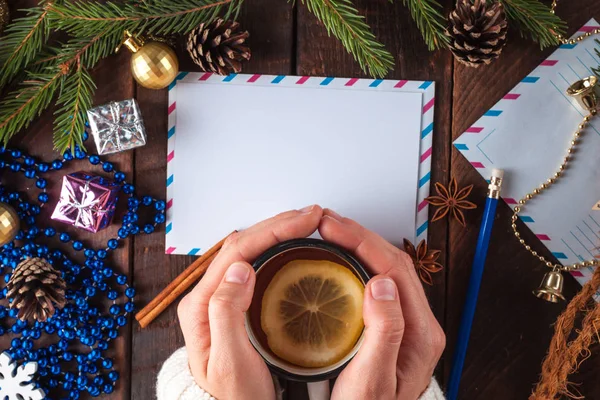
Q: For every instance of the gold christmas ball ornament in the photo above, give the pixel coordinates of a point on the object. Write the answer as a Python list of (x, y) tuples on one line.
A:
[(154, 65), (4, 15), (9, 224)]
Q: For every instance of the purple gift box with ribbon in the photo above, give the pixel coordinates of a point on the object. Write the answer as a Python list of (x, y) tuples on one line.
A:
[(86, 201)]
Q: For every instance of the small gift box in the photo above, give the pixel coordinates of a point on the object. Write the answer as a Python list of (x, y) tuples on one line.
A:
[(86, 201), (117, 126)]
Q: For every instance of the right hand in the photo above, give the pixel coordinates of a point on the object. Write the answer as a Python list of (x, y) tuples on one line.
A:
[(403, 340)]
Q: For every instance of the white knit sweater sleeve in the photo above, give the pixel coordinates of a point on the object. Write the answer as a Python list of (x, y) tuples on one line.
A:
[(175, 382)]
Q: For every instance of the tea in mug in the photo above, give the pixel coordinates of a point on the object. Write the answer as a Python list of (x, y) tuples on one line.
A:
[(311, 312)]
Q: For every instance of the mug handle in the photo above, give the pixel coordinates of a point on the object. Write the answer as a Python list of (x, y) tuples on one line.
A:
[(318, 390)]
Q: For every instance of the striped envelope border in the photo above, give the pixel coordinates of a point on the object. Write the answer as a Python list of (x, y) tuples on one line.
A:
[(425, 87)]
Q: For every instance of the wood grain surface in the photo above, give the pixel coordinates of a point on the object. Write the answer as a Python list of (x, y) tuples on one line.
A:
[(512, 329)]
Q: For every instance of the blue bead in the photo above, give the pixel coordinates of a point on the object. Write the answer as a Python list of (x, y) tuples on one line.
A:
[(101, 253), (114, 309), (43, 167), (113, 376), (130, 292), (57, 164), (119, 176), (134, 229), (133, 202), (77, 245), (107, 272), (102, 286), (113, 243), (27, 344), (90, 291), (16, 153), (50, 232), (82, 380), (21, 324), (74, 394), (68, 155), (67, 386), (122, 279), (148, 228), (42, 362), (102, 345), (107, 388), (108, 167), (29, 161), (128, 188), (159, 218), (121, 320), (30, 173), (94, 355), (160, 205), (41, 183), (64, 237), (15, 166), (112, 295), (53, 360), (107, 363), (147, 200), (13, 312), (113, 334), (85, 135), (43, 372), (109, 323), (53, 382), (16, 329), (49, 329), (16, 343), (94, 159), (80, 154), (89, 253), (67, 356), (55, 370)]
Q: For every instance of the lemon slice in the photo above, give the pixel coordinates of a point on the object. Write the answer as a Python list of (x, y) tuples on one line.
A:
[(312, 312)]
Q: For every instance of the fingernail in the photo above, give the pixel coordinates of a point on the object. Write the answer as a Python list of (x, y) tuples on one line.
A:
[(307, 210), (383, 290), (237, 273), (334, 215)]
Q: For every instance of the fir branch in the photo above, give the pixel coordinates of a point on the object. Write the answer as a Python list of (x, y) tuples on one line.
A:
[(23, 40), (84, 19), (73, 101), (534, 19), (21, 106), (343, 20), (431, 22)]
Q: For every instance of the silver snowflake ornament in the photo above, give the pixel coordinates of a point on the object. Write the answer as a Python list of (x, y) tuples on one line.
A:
[(16, 381)]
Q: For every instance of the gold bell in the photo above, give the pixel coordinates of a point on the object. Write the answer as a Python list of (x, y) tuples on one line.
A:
[(551, 287), (587, 93)]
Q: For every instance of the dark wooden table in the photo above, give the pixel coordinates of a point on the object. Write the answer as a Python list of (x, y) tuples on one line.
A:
[(512, 329)]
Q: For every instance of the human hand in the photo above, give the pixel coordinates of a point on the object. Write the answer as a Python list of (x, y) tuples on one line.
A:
[(221, 357), (403, 340)]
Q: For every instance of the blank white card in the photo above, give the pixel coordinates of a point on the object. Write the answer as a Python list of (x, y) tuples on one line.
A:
[(243, 153)]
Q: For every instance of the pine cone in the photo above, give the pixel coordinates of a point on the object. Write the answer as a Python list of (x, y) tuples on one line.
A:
[(477, 31), (218, 47), (35, 288)]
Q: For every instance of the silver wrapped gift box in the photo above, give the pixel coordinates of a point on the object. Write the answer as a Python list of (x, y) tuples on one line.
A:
[(117, 126)]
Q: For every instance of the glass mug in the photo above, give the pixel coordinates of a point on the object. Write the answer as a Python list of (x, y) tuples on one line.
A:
[(266, 266)]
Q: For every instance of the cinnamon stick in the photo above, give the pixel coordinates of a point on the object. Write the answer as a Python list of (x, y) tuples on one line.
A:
[(179, 285)]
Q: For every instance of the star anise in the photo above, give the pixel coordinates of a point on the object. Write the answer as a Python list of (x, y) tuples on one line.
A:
[(451, 199), (425, 260)]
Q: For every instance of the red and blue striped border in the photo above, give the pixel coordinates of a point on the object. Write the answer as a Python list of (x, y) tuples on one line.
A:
[(427, 88)]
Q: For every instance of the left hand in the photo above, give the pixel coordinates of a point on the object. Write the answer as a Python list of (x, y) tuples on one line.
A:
[(221, 357)]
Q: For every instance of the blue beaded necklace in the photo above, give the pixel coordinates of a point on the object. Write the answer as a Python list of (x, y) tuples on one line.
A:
[(72, 358)]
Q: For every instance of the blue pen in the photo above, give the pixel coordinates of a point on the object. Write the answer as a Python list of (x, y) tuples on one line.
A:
[(466, 321)]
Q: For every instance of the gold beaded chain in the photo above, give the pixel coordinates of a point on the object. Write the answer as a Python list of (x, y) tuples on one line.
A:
[(544, 186), (540, 189), (564, 40)]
